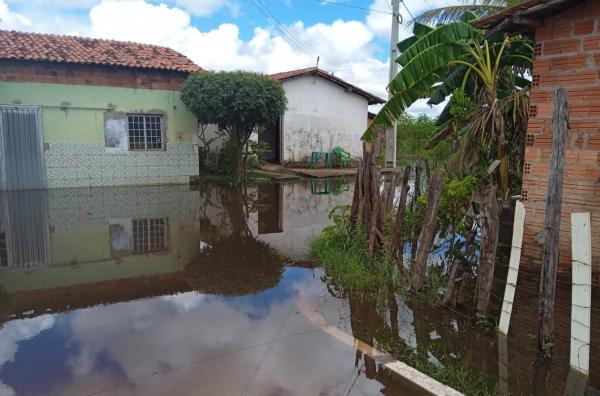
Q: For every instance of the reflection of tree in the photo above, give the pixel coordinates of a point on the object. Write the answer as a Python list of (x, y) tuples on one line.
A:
[(235, 264), (437, 339), (5, 305)]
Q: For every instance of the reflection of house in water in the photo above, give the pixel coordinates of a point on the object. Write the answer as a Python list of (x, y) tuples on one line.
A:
[(84, 236), (24, 230), (291, 213)]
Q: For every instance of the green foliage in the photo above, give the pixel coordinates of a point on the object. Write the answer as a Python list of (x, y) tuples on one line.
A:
[(343, 252), (238, 103), (256, 153), (454, 203), (424, 64), (412, 135)]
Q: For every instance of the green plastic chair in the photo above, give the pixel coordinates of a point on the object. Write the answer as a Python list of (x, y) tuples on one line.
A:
[(342, 156)]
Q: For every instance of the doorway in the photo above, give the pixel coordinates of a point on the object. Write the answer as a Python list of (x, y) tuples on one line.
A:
[(21, 149), (272, 136)]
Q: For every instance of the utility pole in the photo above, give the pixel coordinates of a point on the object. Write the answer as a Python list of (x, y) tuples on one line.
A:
[(390, 134)]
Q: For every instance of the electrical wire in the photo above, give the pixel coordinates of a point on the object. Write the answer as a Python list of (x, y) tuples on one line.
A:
[(407, 10), (353, 6), (272, 19)]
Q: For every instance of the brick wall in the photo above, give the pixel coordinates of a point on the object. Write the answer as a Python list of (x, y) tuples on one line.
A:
[(567, 54), (109, 76)]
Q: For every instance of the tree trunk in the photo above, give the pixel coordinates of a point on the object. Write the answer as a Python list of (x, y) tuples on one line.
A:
[(427, 231), (241, 171), (550, 250), (487, 254), (449, 292), (396, 248), (366, 205), (461, 297)]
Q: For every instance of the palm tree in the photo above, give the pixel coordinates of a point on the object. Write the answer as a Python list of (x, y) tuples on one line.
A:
[(481, 8)]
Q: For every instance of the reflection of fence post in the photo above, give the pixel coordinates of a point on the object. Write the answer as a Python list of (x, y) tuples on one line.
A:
[(513, 267), (502, 364), (581, 296)]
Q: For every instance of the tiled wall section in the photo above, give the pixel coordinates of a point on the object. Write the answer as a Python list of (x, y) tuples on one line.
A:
[(89, 209), (91, 165)]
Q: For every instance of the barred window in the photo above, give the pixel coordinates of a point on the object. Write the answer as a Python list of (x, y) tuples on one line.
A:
[(149, 235), (145, 131), (3, 251)]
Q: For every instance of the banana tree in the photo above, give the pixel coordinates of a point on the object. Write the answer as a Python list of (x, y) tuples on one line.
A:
[(481, 8)]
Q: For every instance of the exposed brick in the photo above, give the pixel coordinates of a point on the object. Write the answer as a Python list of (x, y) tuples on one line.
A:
[(31, 71), (584, 27)]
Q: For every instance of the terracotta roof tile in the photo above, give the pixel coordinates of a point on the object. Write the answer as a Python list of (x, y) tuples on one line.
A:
[(373, 99), (72, 49)]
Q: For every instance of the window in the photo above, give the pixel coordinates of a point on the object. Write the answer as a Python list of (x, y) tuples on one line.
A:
[(3, 251), (145, 131), (149, 235)]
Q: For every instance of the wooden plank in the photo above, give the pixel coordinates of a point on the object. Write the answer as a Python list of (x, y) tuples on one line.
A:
[(551, 229), (581, 296), (513, 267)]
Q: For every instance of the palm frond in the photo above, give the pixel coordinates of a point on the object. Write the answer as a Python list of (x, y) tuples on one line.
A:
[(444, 15)]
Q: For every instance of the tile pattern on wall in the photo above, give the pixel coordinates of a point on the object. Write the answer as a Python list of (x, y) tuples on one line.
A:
[(92, 165), (92, 208)]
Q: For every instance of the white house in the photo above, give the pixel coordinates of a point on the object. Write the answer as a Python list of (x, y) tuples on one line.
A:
[(323, 111)]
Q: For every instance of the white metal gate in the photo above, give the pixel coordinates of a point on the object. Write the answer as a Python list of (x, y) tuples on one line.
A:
[(21, 148)]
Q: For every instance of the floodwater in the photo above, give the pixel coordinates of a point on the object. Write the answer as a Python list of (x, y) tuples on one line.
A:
[(165, 290)]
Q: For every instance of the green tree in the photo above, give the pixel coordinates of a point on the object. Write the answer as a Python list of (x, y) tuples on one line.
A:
[(239, 103), (484, 77)]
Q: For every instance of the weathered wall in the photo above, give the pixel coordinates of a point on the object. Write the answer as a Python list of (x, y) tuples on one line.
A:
[(567, 55), (74, 120), (320, 116)]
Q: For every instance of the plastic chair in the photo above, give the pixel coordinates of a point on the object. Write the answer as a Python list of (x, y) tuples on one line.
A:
[(342, 156)]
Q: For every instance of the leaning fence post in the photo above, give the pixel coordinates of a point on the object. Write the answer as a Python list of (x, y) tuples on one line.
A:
[(551, 230), (513, 268), (581, 296)]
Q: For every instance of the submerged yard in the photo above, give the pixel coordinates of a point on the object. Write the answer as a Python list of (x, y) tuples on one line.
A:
[(167, 290)]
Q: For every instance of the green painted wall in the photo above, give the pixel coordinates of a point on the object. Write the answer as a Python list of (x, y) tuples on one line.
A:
[(82, 257), (83, 122)]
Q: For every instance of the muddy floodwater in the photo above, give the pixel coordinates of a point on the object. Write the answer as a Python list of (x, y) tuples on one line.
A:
[(173, 291)]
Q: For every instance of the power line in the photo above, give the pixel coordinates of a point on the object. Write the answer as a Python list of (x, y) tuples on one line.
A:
[(407, 10), (272, 19), (353, 6)]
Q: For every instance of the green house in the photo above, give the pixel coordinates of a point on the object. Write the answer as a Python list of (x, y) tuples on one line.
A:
[(80, 112)]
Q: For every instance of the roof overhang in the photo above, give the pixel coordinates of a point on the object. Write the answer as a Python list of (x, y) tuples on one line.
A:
[(524, 18), (373, 99)]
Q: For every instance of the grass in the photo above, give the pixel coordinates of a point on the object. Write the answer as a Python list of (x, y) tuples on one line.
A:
[(344, 256)]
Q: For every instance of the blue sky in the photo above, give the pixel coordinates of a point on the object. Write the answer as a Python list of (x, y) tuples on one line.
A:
[(260, 35)]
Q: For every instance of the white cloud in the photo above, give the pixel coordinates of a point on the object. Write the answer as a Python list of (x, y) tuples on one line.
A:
[(208, 7), (348, 48), (13, 333), (12, 20)]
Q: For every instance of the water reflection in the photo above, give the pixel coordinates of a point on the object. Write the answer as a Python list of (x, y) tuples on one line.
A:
[(158, 290)]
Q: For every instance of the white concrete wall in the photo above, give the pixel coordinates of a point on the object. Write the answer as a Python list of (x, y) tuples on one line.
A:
[(320, 116)]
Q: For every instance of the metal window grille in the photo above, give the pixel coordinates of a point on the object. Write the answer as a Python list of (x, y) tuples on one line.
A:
[(149, 235), (3, 251), (145, 132)]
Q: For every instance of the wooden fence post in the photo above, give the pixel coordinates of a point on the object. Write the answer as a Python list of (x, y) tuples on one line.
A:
[(427, 231), (551, 230), (490, 225)]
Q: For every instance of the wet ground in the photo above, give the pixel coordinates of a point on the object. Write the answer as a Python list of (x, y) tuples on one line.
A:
[(164, 290)]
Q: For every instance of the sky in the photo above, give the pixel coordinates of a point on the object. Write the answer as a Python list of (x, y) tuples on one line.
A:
[(351, 40)]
